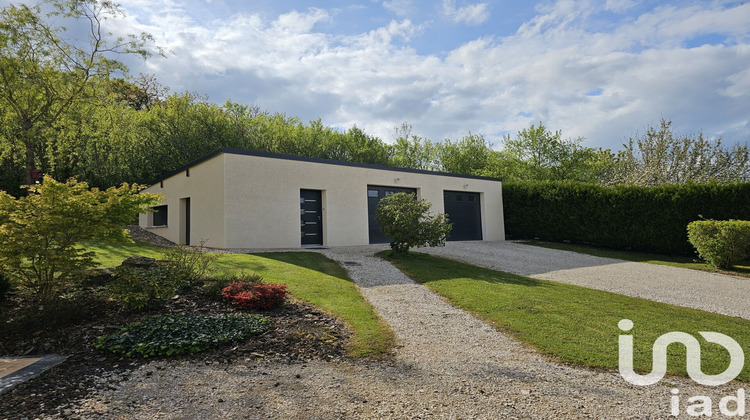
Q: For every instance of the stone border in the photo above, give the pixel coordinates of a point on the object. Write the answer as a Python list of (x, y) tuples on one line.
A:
[(28, 372)]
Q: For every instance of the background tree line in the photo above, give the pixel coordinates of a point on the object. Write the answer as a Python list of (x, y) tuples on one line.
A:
[(70, 108)]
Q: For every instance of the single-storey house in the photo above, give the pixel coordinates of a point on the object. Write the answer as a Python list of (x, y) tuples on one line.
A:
[(247, 199)]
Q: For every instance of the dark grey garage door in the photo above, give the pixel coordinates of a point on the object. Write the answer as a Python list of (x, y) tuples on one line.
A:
[(465, 213), (374, 195)]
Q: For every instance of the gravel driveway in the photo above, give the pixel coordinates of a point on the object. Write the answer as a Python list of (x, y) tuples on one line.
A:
[(447, 364), (711, 292)]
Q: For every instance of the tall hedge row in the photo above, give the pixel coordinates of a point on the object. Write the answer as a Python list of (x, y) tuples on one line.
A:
[(652, 219)]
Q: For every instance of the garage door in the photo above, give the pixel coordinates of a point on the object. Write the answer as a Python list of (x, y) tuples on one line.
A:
[(465, 213), (374, 195)]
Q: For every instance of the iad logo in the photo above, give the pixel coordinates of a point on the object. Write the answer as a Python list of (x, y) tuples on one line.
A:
[(693, 362)]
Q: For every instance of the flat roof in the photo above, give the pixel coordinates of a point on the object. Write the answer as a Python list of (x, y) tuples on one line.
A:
[(233, 151)]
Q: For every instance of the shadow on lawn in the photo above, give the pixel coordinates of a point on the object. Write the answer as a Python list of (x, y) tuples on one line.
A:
[(425, 268), (309, 260)]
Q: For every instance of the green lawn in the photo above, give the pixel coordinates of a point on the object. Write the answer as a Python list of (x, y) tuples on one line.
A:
[(111, 254), (574, 324), (310, 276), (741, 269)]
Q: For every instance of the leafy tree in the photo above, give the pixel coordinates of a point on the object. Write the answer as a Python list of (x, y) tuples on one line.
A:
[(660, 156), (540, 154), (141, 93), (43, 74), (411, 151), (408, 223), (40, 233), (466, 156)]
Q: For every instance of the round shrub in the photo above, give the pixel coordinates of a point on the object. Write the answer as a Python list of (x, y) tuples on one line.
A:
[(722, 243), (255, 295), (175, 334)]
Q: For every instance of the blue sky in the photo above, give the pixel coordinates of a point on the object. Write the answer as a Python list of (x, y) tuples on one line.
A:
[(603, 70)]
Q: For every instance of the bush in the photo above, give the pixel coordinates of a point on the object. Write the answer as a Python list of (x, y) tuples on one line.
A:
[(255, 295), (175, 334), (138, 287), (722, 243), (214, 287), (650, 219), (408, 223), (193, 263)]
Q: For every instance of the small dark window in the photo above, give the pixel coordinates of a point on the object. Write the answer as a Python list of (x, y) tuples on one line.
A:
[(161, 184), (187, 172), (160, 216)]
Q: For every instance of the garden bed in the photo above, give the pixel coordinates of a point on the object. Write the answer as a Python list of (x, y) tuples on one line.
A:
[(300, 332)]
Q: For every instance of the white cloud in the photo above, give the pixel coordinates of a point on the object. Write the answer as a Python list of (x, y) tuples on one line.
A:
[(472, 14), (620, 5), (399, 7), (641, 70), (738, 84)]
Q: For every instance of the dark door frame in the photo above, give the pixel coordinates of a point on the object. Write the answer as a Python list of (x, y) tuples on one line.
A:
[(311, 217), (187, 221), (467, 215)]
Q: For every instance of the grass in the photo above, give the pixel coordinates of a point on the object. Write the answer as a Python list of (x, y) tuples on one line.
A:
[(112, 254), (574, 324), (740, 269), (310, 277)]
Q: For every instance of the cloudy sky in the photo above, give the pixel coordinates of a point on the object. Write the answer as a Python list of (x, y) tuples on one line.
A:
[(602, 69)]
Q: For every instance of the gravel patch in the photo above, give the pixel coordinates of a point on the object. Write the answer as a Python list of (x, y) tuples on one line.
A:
[(713, 292), (447, 365), (138, 233)]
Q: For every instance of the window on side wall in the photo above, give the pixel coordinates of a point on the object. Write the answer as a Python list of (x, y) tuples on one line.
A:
[(159, 216)]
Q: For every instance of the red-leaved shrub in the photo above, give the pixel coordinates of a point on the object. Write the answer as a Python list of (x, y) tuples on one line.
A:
[(255, 295)]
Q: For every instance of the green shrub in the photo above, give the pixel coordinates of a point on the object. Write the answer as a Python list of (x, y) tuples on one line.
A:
[(138, 288), (650, 219), (408, 223), (193, 263), (213, 287), (175, 334), (722, 243)]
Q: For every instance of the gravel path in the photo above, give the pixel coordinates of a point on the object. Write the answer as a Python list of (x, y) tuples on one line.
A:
[(447, 365), (711, 292)]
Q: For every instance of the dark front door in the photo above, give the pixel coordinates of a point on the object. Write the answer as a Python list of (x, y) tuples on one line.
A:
[(374, 195), (187, 221), (465, 213), (311, 217)]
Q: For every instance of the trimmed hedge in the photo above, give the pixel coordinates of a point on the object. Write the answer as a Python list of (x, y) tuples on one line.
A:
[(651, 219)]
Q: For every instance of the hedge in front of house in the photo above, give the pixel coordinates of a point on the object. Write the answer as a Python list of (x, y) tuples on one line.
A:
[(651, 219)]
